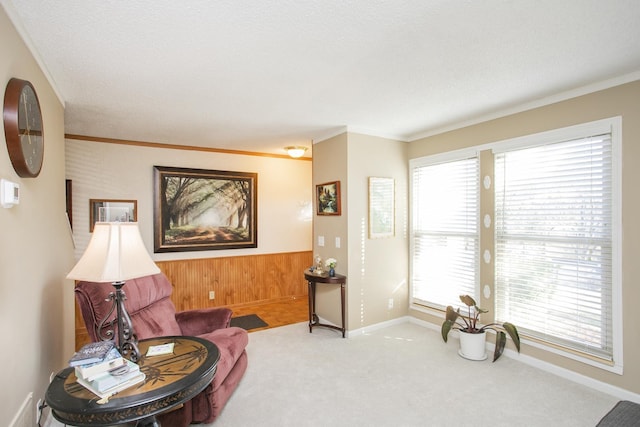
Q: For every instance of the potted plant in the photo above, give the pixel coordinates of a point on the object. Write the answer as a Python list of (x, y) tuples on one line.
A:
[(473, 334)]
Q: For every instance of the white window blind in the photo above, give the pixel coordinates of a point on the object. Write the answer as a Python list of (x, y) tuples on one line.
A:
[(553, 260), (444, 238)]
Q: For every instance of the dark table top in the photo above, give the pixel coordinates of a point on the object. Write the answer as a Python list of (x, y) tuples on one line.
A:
[(171, 379), (311, 276)]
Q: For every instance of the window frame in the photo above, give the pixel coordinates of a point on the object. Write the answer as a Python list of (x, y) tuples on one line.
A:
[(613, 126), (440, 158)]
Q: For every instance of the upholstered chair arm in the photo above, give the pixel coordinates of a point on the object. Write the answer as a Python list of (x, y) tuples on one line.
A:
[(202, 321)]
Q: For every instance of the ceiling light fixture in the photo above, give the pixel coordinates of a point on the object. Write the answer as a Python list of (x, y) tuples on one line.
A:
[(296, 151)]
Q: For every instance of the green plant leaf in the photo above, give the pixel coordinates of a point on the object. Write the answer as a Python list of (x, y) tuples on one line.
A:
[(452, 314), (467, 300), (513, 333), (446, 327), (501, 340)]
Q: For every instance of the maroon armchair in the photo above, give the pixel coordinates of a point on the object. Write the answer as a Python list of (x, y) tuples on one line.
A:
[(153, 314)]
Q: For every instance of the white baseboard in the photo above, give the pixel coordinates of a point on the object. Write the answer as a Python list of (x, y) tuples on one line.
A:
[(367, 329), (618, 392)]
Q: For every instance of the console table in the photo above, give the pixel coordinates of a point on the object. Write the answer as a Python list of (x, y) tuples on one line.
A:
[(171, 380), (313, 279)]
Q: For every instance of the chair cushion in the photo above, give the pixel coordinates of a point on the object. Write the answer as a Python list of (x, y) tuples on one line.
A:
[(200, 321), (231, 343), (156, 321), (147, 301)]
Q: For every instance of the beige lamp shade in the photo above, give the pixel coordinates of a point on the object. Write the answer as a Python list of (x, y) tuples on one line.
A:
[(115, 253)]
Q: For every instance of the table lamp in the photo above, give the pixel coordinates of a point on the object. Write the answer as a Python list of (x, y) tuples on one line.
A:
[(116, 253)]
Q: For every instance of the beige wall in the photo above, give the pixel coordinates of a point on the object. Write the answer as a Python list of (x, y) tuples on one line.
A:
[(330, 163), (35, 250), (376, 269), (618, 101), (113, 171)]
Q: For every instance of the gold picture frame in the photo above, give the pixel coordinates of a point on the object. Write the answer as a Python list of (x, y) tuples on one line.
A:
[(328, 198)]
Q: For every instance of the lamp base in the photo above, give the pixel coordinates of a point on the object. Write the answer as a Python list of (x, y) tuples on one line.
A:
[(126, 342)]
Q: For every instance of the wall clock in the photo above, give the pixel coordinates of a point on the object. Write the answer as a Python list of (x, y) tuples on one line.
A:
[(23, 128)]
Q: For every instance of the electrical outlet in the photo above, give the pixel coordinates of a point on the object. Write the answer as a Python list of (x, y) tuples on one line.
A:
[(212, 294), (390, 303)]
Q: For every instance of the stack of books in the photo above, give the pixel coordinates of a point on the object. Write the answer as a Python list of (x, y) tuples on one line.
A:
[(101, 369)]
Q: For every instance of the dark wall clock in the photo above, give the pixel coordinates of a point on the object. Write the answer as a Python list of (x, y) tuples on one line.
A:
[(23, 128)]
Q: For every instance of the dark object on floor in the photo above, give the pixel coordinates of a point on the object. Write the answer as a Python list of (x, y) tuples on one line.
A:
[(624, 414), (248, 322)]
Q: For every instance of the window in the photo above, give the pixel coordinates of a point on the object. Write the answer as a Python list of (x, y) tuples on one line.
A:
[(444, 229), (556, 260), (555, 254)]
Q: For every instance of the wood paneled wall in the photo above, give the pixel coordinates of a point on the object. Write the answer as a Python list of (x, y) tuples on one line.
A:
[(236, 281)]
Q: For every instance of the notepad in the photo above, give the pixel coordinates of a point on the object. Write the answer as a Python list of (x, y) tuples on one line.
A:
[(157, 350)]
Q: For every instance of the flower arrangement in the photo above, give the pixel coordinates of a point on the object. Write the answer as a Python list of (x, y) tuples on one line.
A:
[(330, 263)]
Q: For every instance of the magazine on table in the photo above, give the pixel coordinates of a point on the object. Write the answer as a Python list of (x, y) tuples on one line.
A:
[(108, 385), (91, 353)]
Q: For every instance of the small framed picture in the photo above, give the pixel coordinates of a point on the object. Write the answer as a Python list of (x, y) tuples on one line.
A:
[(328, 198), (112, 210)]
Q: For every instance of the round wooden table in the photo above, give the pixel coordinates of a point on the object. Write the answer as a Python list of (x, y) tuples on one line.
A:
[(171, 380)]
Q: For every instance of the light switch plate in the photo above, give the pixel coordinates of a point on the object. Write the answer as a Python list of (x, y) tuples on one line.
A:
[(320, 240)]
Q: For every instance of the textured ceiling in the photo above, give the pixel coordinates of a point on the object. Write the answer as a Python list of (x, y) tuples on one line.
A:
[(259, 75)]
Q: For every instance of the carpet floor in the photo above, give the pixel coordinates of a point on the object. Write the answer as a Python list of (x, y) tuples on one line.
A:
[(403, 375)]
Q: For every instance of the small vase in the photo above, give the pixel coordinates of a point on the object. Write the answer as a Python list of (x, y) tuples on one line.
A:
[(332, 272)]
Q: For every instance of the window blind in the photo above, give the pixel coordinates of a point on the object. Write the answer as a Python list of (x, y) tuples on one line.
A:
[(444, 240), (553, 233)]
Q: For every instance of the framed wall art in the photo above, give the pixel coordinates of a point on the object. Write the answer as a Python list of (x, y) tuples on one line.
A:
[(112, 210), (198, 209), (68, 191), (328, 198), (381, 207)]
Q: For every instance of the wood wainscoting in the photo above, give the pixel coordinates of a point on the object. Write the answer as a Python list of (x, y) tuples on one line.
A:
[(238, 281)]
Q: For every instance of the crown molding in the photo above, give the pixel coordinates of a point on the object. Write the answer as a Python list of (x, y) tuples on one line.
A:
[(7, 5)]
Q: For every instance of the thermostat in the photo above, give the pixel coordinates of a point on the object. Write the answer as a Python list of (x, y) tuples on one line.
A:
[(9, 193)]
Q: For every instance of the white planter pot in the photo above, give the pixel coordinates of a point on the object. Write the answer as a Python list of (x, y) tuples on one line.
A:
[(473, 346)]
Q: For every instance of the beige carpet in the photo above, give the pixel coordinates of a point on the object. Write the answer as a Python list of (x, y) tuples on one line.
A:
[(403, 375)]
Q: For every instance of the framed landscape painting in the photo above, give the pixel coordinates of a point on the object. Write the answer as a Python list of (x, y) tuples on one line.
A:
[(328, 198), (198, 209)]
